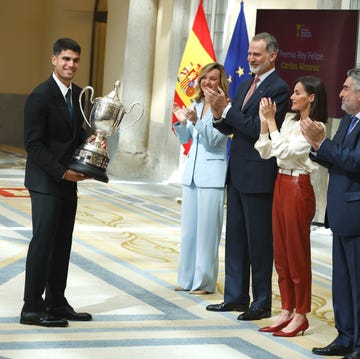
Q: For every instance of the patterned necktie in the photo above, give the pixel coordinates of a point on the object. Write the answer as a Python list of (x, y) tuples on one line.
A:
[(68, 102), (353, 123), (251, 90)]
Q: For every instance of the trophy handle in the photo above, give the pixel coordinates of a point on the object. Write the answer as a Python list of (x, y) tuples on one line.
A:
[(91, 100), (137, 119)]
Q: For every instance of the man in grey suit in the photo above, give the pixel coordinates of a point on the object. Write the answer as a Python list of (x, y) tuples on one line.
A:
[(52, 131), (341, 156), (250, 183)]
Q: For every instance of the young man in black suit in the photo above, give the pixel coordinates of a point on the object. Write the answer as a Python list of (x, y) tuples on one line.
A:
[(250, 183), (52, 131)]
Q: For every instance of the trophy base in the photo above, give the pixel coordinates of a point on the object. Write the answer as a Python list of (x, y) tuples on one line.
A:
[(91, 160), (90, 171)]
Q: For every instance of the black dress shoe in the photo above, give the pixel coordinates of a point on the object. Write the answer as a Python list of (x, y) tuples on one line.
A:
[(67, 312), (42, 319), (332, 349), (227, 307), (353, 355), (254, 313)]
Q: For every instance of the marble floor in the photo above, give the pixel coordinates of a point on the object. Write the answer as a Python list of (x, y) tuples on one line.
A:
[(123, 270)]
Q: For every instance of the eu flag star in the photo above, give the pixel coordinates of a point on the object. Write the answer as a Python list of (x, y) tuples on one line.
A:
[(229, 79), (240, 71)]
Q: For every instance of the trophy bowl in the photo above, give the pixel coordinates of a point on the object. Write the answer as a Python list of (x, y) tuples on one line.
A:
[(105, 118)]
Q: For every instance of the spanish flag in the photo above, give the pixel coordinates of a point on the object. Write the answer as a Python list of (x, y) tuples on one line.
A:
[(198, 52)]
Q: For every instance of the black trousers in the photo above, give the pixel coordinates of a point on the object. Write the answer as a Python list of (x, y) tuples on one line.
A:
[(47, 262)]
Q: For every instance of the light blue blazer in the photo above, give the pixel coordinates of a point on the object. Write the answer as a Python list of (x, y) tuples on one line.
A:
[(206, 162)]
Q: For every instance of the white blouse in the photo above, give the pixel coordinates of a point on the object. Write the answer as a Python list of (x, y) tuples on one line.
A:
[(289, 146)]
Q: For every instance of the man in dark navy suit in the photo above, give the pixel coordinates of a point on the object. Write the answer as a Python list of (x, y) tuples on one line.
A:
[(52, 131), (250, 183), (341, 156)]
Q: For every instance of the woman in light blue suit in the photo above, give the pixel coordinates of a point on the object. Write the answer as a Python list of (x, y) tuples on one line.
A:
[(203, 187)]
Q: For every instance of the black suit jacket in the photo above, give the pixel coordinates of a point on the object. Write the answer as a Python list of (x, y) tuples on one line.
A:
[(247, 172), (51, 137)]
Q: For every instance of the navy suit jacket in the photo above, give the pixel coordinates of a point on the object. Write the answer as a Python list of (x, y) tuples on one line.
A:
[(247, 172), (51, 136), (342, 158)]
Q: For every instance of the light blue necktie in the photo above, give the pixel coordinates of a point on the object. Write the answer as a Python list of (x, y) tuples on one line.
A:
[(68, 102), (353, 123)]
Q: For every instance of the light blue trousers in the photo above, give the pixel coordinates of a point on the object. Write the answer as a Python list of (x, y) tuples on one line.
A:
[(201, 224)]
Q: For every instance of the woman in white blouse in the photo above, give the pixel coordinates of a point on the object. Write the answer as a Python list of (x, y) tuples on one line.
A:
[(294, 200)]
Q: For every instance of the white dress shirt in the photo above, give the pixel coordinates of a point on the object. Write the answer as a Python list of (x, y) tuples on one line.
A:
[(289, 146)]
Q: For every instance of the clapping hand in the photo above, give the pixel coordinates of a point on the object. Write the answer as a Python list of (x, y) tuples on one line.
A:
[(217, 100), (179, 113), (184, 114), (313, 131), (267, 110)]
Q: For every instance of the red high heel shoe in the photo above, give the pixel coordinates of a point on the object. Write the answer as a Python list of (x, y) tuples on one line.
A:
[(301, 328), (276, 328)]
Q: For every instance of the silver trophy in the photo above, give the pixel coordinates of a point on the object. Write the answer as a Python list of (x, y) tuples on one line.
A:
[(105, 117)]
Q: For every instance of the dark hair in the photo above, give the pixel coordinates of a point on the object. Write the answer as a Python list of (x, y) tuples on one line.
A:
[(204, 70), (318, 108), (65, 44)]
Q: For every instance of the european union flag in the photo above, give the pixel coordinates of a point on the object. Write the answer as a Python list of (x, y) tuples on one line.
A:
[(236, 64)]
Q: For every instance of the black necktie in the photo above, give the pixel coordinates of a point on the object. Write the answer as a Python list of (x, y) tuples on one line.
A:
[(68, 102)]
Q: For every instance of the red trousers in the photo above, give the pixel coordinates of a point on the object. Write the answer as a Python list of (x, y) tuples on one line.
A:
[(293, 211)]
